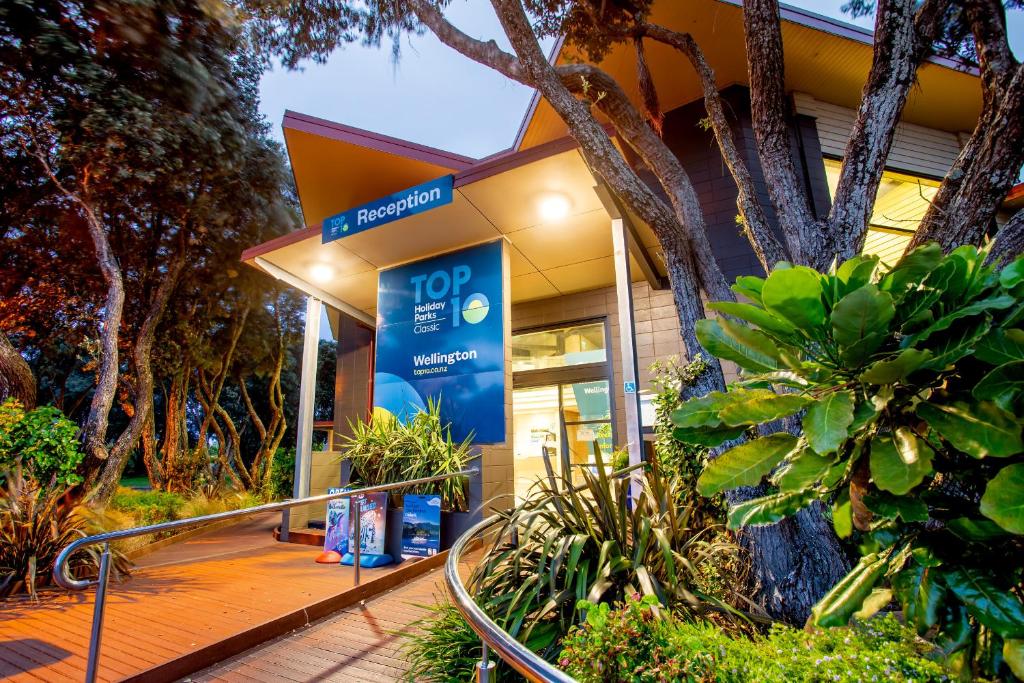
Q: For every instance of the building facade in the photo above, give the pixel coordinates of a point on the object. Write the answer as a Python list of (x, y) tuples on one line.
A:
[(588, 308)]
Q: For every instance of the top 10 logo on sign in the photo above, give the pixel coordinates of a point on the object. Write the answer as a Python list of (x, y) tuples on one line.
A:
[(438, 339)]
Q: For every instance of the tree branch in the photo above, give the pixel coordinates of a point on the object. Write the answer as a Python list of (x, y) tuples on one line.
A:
[(897, 55), (987, 167), (16, 378), (769, 106), (94, 433), (1009, 242), (768, 249)]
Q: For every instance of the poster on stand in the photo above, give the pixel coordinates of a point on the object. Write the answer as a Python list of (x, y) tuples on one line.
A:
[(373, 515), (421, 525), (337, 523)]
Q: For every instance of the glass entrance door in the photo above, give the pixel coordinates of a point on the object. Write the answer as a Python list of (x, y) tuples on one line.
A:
[(566, 423)]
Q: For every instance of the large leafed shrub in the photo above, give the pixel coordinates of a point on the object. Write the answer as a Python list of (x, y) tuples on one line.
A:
[(42, 441), (907, 385)]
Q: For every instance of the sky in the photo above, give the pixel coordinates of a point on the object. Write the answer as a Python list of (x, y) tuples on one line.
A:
[(433, 95)]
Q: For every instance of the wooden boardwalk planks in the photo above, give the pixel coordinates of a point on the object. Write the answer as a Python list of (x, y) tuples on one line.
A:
[(184, 598), (360, 643)]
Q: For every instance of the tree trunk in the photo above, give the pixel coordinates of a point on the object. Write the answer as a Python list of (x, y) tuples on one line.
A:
[(113, 468), (16, 378), (1009, 242)]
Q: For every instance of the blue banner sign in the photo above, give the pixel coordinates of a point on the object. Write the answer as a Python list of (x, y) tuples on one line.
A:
[(440, 336), (414, 200), (421, 525)]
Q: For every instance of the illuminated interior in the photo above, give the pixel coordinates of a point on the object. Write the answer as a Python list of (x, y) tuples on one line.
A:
[(900, 204), (559, 348), (569, 417)]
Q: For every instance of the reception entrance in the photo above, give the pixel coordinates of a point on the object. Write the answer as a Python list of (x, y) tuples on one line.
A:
[(561, 402)]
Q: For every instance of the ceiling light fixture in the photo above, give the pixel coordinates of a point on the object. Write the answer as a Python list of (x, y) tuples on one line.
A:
[(553, 207), (321, 272)]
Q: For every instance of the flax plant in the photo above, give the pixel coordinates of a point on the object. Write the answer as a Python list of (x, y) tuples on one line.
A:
[(386, 450), (565, 545)]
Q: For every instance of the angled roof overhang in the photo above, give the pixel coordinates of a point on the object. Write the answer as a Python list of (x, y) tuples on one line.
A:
[(825, 58), (337, 168)]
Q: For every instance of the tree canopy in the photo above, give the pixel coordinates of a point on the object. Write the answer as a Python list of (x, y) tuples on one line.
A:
[(140, 166)]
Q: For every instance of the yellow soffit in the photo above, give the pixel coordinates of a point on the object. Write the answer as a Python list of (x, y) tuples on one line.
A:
[(826, 59), (337, 167)]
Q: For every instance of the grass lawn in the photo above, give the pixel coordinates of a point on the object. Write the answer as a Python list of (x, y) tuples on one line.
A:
[(135, 482)]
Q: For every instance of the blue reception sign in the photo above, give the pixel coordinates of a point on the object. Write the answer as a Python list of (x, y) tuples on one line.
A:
[(408, 202), (440, 336)]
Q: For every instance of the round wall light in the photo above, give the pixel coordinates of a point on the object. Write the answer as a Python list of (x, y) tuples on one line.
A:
[(321, 272), (553, 207)]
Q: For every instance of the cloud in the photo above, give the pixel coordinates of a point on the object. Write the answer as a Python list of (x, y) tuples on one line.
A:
[(434, 502)]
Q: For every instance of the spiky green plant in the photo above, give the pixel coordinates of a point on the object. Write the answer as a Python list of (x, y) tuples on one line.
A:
[(386, 450), (36, 523), (443, 648), (564, 544)]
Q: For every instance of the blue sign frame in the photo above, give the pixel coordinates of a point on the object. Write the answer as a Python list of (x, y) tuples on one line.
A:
[(441, 336), (409, 202)]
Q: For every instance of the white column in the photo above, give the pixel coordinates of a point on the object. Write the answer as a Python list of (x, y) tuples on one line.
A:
[(307, 393), (627, 341)]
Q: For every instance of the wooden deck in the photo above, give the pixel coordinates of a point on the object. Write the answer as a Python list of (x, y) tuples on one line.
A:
[(211, 594), (361, 643)]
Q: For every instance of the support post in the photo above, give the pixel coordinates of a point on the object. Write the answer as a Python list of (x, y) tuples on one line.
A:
[(97, 616), (307, 394), (357, 535), (485, 667), (627, 343)]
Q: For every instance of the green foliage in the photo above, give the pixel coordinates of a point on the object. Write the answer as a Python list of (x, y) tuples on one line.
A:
[(386, 450), (442, 648), (42, 441), (563, 544), (912, 433), (637, 642), (282, 474), (674, 457), (36, 523), (148, 507)]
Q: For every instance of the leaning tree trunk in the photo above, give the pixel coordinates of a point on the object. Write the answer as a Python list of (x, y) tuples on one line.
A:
[(113, 468), (16, 378)]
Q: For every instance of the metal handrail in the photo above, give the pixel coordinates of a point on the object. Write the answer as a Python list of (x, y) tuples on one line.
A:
[(64, 580), (521, 658)]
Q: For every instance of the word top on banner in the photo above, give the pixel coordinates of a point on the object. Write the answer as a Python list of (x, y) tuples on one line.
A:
[(441, 338)]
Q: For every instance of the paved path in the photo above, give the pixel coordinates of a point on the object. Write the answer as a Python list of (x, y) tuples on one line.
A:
[(183, 597), (360, 643)]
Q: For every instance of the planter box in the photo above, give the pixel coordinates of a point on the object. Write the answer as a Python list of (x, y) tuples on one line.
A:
[(453, 525)]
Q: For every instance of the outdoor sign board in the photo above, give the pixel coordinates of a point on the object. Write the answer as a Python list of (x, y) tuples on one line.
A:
[(421, 525), (336, 528), (409, 202), (440, 337), (373, 517)]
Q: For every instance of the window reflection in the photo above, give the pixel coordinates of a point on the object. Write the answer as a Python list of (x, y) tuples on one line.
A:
[(559, 348)]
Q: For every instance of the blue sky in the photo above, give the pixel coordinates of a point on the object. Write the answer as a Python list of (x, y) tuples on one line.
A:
[(435, 96)]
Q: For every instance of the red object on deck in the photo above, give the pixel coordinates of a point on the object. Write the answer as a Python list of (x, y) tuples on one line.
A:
[(328, 557)]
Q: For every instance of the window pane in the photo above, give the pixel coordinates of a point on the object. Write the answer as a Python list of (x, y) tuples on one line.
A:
[(900, 204), (536, 427), (558, 348), (585, 401), (583, 441)]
